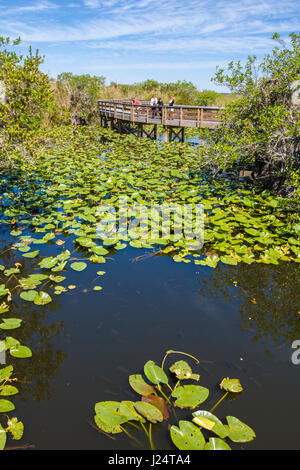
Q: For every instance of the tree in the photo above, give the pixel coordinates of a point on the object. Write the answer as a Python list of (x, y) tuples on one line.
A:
[(28, 93), (83, 92), (262, 127)]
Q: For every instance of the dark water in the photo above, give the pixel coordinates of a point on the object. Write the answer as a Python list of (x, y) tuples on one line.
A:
[(239, 321)]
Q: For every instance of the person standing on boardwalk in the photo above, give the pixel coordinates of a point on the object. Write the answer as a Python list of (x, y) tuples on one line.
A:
[(135, 101), (153, 103), (171, 103), (160, 104)]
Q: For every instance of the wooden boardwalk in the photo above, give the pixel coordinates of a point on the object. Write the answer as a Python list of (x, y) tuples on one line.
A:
[(127, 117)]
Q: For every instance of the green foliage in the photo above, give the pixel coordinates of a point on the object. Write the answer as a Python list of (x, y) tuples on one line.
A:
[(13, 426), (28, 92), (82, 92), (111, 416), (262, 127)]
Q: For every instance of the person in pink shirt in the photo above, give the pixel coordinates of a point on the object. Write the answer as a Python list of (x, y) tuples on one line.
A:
[(135, 101)]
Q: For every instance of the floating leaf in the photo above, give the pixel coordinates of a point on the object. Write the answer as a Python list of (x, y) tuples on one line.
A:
[(3, 290), (215, 443), (239, 431), (2, 438), (127, 409), (187, 436), (150, 412), (109, 413), (231, 385), (159, 402), (7, 390), (78, 266), (155, 373), (110, 429), (6, 406), (31, 254), (10, 323), (209, 421), (28, 295), (190, 395), (16, 428), (182, 370), (42, 298), (140, 386), (20, 351)]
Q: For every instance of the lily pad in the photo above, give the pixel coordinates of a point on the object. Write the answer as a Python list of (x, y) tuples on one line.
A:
[(42, 298), (187, 436), (152, 413), (215, 443), (209, 421), (140, 386), (231, 385), (239, 431), (6, 406), (78, 266), (190, 396), (155, 373)]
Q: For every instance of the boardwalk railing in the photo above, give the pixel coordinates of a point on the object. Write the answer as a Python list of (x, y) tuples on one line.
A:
[(175, 116)]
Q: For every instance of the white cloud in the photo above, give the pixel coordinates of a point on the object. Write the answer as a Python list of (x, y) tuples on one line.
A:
[(36, 7), (92, 3)]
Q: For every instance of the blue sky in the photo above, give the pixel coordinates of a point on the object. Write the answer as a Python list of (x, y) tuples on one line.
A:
[(166, 40)]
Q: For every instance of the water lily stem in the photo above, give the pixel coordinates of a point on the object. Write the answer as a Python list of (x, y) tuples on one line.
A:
[(177, 352), (131, 437), (150, 437), (165, 396), (218, 402)]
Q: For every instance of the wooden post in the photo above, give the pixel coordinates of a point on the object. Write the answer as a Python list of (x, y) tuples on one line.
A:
[(147, 115), (123, 112), (132, 113), (180, 120), (198, 117), (115, 111), (166, 136), (201, 118)]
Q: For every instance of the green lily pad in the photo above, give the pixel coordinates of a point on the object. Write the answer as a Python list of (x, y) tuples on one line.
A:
[(108, 428), (155, 373), (239, 431), (10, 323), (182, 370), (6, 406), (209, 421), (7, 390), (109, 413), (231, 385), (20, 351), (16, 428), (31, 254), (140, 386), (78, 266), (187, 436), (190, 396), (153, 414), (42, 298), (215, 443), (28, 295), (2, 438)]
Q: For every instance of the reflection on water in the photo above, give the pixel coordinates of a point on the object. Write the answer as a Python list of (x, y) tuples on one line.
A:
[(238, 320), (268, 295)]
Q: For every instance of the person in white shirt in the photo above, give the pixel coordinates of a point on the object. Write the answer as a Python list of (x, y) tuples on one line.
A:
[(153, 103)]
